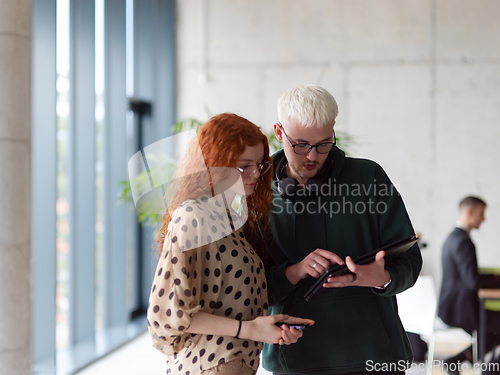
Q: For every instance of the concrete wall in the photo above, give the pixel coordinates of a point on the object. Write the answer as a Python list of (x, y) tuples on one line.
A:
[(417, 82), (15, 155)]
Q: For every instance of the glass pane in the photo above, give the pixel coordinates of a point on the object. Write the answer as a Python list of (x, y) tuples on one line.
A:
[(63, 207), (100, 139)]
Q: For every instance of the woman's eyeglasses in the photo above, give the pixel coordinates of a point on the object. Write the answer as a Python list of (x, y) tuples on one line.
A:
[(249, 170)]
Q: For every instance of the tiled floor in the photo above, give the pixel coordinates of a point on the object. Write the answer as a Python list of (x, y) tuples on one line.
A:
[(135, 358), (140, 358)]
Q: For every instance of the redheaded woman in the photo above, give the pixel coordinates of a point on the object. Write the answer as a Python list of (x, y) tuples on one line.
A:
[(208, 304)]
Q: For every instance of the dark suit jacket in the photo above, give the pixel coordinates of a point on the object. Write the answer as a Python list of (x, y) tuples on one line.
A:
[(458, 301)]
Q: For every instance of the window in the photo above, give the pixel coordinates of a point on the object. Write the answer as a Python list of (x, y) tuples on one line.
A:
[(92, 262)]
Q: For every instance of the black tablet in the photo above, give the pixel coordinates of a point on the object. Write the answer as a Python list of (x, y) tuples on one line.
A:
[(392, 252)]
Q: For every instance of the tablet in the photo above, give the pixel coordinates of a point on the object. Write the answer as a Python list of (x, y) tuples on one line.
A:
[(392, 251)]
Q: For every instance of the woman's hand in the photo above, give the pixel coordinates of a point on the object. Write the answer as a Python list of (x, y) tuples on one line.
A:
[(292, 335), (264, 329)]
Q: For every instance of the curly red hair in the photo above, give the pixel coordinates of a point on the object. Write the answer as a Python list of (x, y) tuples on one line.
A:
[(222, 140)]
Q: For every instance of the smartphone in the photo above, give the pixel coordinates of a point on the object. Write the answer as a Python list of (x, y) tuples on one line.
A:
[(298, 327)]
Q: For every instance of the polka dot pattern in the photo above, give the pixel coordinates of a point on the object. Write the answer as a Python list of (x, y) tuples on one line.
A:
[(203, 269)]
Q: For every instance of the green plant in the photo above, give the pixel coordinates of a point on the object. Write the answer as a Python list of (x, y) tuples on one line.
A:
[(186, 124), (125, 197)]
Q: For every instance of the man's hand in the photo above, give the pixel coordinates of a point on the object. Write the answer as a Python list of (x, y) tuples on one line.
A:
[(314, 264), (371, 275)]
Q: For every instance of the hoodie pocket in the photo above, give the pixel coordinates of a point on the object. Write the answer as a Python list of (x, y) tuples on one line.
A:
[(348, 334)]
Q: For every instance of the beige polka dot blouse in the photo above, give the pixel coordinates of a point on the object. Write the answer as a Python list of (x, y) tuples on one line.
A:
[(206, 265)]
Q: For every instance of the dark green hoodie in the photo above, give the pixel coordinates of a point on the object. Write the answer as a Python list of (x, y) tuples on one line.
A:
[(357, 328)]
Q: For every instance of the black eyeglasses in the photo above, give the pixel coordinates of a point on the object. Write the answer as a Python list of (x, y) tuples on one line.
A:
[(249, 170), (305, 148)]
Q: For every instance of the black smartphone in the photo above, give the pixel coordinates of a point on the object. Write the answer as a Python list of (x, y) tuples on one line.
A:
[(299, 327)]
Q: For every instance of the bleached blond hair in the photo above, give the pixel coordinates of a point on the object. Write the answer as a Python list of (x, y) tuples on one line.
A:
[(309, 106)]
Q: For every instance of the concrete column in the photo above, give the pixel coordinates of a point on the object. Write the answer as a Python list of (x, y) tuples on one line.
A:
[(15, 189)]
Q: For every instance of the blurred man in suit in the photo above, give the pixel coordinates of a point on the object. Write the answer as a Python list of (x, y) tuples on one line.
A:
[(458, 301)]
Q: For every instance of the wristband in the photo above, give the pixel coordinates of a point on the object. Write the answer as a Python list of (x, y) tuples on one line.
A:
[(384, 286), (239, 329)]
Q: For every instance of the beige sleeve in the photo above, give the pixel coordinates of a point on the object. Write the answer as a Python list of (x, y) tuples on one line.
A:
[(176, 293)]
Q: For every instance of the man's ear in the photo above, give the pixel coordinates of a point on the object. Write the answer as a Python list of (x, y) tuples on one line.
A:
[(469, 211), (278, 132)]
